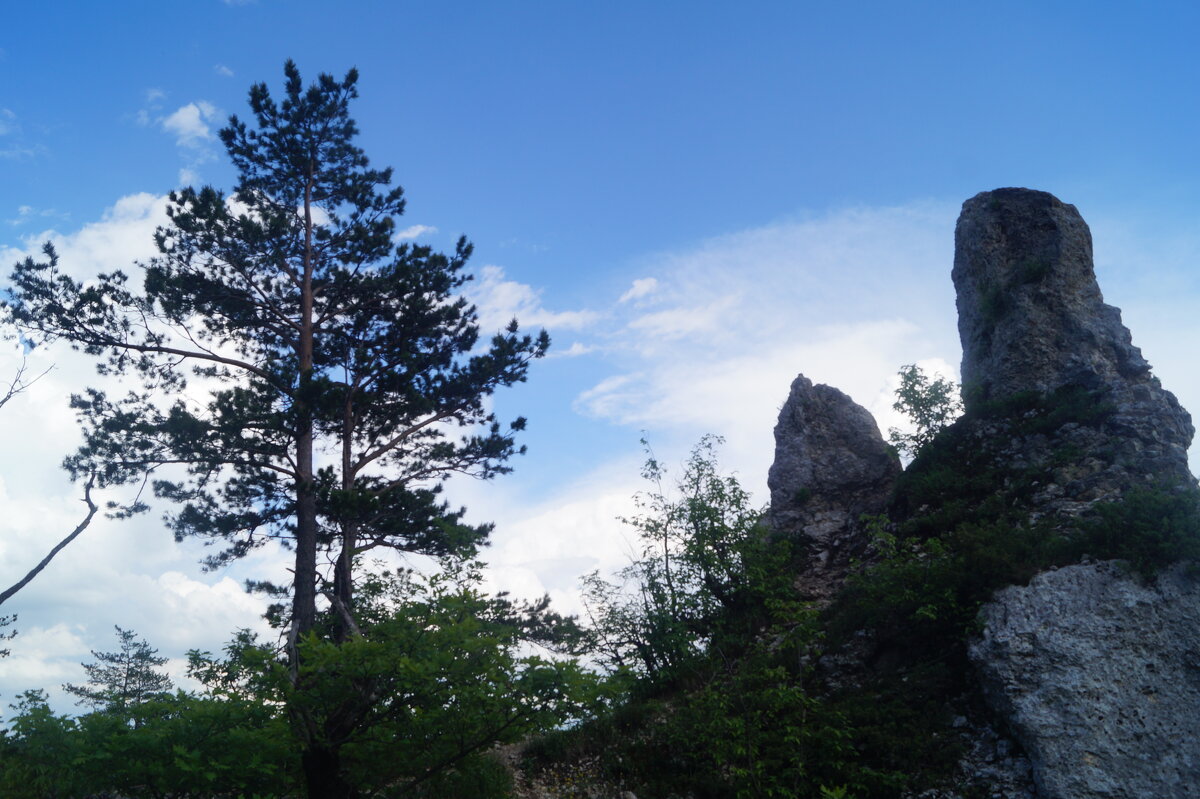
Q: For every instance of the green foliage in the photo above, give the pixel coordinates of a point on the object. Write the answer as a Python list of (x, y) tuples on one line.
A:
[(959, 530), (174, 745), (712, 646), (121, 680), (435, 676), (930, 404), (434, 679), (670, 606), (1150, 528), (6, 621)]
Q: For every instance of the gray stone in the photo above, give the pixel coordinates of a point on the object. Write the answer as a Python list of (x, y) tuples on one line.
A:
[(1031, 318), (831, 467), (1098, 676)]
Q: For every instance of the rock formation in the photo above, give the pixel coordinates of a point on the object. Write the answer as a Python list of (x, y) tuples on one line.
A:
[(1099, 676), (1031, 319), (831, 467), (1094, 671)]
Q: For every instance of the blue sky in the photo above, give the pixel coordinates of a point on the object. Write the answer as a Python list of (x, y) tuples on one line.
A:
[(699, 200)]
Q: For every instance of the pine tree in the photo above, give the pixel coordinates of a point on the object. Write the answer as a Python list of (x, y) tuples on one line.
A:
[(316, 340), (120, 680)]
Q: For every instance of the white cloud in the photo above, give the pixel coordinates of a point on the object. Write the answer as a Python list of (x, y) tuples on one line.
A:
[(574, 351), (27, 213), (129, 572), (223, 71), (499, 301), (123, 235), (675, 323), (642, 287), (15, 148), (846, 298), (414, 232), (190, 124)]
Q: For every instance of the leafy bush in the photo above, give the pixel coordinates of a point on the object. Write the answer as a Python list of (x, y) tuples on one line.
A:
[(177, 745), (705, 632), (1150, 528)]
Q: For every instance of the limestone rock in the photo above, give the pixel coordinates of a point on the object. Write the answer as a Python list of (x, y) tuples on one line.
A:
[(1098, 676), (831, 466), (1087, 667), (1032, 319)]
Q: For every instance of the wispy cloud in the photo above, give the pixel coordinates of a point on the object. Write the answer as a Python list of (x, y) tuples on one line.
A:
[(642, 287), (414, 232), (12, 145), (27, 213), (223, 71), (499, 301), (574, 351)]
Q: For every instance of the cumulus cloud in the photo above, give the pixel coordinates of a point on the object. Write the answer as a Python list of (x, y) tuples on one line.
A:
[(712, 346), (189, 124)]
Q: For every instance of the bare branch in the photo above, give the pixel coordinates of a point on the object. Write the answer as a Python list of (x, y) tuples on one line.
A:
[(19, 384), (92, 508)]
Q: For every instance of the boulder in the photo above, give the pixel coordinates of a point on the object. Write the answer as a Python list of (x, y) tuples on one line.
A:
[(1098, 676)]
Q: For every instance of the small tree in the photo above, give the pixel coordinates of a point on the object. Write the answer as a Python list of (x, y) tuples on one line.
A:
[(120, 680), (699, 544), (929, 403)]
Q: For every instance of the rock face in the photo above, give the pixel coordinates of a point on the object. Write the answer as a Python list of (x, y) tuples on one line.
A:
[(1031, 318), (831, 466), (1096, 675), (1090, 670), (1099, 678)]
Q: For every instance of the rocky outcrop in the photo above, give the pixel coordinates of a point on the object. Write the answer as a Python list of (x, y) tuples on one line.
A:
[(831, 467), (1032, 320), (1098, 675), (1088, 668), (1095, 674)]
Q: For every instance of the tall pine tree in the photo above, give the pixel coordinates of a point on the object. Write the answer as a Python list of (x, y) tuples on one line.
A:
[(341, 376)]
